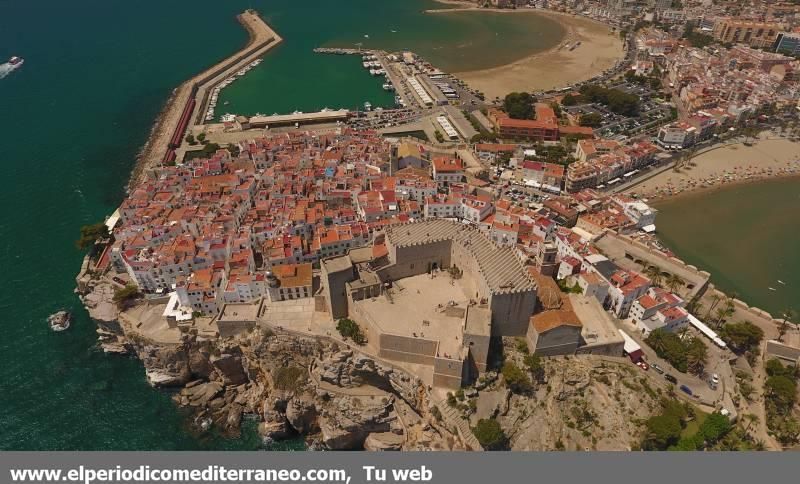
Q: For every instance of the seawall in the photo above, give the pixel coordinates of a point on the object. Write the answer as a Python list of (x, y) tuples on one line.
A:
[(191, 97)]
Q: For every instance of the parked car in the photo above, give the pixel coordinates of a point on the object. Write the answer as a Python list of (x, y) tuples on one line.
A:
[(119, 281), (670, 378), (686, 390), (643, 365), (658, 368)]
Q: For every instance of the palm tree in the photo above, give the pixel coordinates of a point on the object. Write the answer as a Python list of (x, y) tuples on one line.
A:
[(695, 306), (751, 419), (723, 313), (715, 299), (788, 315), (674, 282), (654, 274)]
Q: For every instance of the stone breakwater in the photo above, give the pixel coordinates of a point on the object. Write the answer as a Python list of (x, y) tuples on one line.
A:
[(188, 101)]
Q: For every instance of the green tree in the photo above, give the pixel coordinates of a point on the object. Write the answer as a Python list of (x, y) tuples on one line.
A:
[(696, 356), (126, 295), (190, 139), (592, 120), (673, 282), (741, 337), (781, 391), (662, 431), (516, 379), (519, 105), (654, 274), (714, 427), (687, 354), (570, 100), (90, 234), (535, 365), (350, 329), (201, 137), (490, 434)]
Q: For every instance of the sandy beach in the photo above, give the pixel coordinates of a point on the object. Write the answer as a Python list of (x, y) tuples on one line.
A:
[(600, 48), (724, 166)]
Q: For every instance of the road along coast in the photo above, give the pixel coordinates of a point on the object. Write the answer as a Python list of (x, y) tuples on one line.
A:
[(188, 101)]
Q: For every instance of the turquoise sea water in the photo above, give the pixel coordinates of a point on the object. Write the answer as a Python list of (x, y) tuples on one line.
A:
[(72, 119)]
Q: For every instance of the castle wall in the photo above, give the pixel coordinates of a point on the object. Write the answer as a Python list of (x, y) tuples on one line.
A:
[(335, 291), (447, 373), (407, 349), (511, 313), (414, 260)]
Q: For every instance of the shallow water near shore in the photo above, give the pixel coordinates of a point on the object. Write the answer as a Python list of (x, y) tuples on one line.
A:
[(747, 236)]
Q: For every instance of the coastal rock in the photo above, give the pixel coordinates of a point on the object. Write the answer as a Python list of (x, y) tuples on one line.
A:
[(274, 427), (351, 419), (302, 414), (383, 441), (200, 395), (230, 369), (99, 301), (234, 417), (164, 365), (158, 378), (199, 365)]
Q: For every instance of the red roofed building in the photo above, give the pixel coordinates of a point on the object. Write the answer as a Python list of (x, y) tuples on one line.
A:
[(447, 169)]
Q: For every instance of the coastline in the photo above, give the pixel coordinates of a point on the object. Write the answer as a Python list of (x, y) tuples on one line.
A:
[(723, 167), (599, 50), (158, 141)]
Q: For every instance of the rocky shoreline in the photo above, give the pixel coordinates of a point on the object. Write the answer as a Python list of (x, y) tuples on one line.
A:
[(330, 394)]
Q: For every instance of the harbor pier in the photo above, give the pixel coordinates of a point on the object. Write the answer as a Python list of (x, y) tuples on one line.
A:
[(189, 101)]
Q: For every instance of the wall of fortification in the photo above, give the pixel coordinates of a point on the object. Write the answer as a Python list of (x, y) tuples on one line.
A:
[(701, 277), (468, 264), (511, 313), (417, 259), (410, 350), (448, 373)]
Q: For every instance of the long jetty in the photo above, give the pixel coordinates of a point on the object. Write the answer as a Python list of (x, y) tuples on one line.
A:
[(189, 101)]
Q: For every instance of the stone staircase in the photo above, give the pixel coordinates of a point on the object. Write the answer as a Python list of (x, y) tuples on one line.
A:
[(452, 418)]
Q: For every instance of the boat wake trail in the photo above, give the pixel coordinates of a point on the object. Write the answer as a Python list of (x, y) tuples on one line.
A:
[(5, 69)]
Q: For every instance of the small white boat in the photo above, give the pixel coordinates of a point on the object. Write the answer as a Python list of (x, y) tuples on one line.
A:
[(772, 289), (781, 282), (368, 106), (366, 36)]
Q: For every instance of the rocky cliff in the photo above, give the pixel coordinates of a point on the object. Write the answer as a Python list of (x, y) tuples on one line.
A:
[(296, 385)]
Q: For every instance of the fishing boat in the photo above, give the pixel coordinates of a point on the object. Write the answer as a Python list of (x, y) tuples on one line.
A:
[(368, 106)]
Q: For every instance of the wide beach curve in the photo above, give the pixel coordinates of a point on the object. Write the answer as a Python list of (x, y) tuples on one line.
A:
[(599, 49)]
